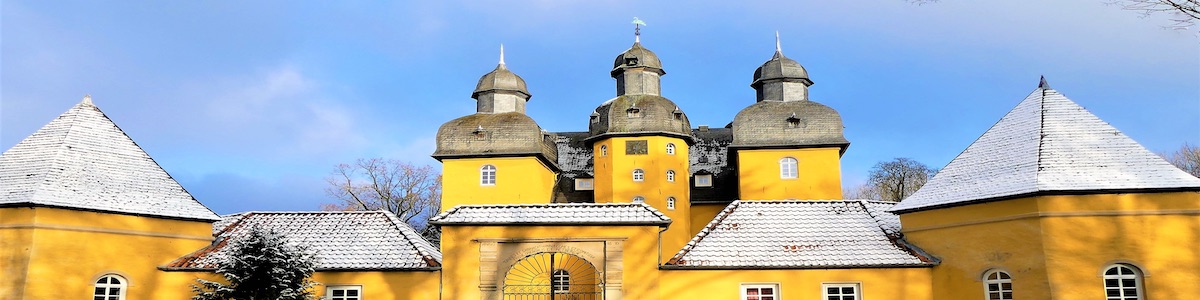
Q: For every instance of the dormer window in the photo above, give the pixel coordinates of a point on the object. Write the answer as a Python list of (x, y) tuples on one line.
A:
[(634, 112), (678, 114), (584, 184), (595, 118), (631, 61), (479, 132), (704, 180)]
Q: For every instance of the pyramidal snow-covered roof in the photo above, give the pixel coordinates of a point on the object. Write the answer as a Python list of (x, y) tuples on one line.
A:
[(341, 240), (1047, 144), (82, 160)]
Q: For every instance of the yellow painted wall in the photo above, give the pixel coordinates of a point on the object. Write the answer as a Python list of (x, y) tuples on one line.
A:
[(69, 250), (895, 283), (1056, 246), (704, 213), (518, 180), (461, 255), (16, 244), (614, 181), (415, 285), (819, 176)]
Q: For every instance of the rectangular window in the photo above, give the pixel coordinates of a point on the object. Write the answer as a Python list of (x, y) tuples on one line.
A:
[(760, 291), (344, 292), (703, 180), (636, 147), (583, 184), (840, 291)]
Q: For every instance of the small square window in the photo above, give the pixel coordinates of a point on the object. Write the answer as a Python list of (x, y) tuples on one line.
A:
[(760, 291), (704, 180), (583, 184), (343, 292), (840, 291)]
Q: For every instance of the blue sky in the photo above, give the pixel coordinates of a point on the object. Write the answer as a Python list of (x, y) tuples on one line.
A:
[(250, 105)]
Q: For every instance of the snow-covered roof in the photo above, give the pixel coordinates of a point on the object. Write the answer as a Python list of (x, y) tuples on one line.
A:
[(553, 214), (368, 240), (1047, 143), (82, 160), (801, 234)]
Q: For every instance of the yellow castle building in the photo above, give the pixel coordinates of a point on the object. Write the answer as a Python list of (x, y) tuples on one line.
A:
[(1049, 203)]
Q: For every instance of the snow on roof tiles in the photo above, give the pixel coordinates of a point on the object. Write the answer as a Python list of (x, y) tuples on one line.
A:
[(370, 240), (553, 214), (82, 160), (1047, 143), (801, 234)]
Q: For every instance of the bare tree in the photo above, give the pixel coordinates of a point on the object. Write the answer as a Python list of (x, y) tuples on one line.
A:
[(1186, 158), (1183, 12), (896, 179), (413, 193)]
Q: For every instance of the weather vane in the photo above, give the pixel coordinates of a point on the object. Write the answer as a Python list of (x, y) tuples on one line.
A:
[(637, 29)]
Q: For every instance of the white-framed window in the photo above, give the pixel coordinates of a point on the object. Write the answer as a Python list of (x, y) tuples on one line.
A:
[(110, 287), (671, 203), (998, 285), (603, 150), (840, 291), (788, 168), (671, 148), (343, 292), (760, 291), (639, 175), (1122, 282), (639, 199), (584, 184), (670, 175), (560, 281), (704, 180), (487, 175)]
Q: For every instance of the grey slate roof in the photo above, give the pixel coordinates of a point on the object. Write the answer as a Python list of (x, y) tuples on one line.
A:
[(801, 234), (366, 240), (766, 123), (501, 79), (82, 160), (1047, 144), (573, 214)]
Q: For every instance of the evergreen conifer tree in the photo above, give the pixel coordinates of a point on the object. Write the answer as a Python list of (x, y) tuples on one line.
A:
[(261, 265)]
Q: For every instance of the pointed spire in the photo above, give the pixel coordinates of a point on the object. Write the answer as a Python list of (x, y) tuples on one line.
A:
[(1043, 84), (501, 54), (87, 99), (778, 48)]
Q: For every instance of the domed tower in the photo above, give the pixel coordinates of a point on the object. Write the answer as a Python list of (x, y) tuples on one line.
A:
[(640, 143), (787, 146), (498, 155)]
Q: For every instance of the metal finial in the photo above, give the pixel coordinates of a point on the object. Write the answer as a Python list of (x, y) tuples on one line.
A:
[(637, 29), (502, 54), (87, 99), (778, 48), (1043, 84)]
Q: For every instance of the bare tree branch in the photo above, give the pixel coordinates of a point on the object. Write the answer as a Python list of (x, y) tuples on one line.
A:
[(1186, 158), (411, 192), (892, 180)]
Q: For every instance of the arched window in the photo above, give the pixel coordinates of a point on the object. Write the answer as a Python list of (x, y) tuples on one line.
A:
[(671, 148), (671, 203), (603, 150), (110, 287), (998, 285), (639, 199), (670, 175), (639, 175), (487, 175), (1122, 282), (560, 281), (788, 168)]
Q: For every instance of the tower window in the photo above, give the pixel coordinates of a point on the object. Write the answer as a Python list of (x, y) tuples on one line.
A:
[(487, 175), (788, 168), (670, 175), (639, 175), (560, 281), (603, 150), (634, 112), (793, 121), (671, 203), (110, 287), (1122, 282), (631, 60), (998, 285), (639, 199), (671, 148)]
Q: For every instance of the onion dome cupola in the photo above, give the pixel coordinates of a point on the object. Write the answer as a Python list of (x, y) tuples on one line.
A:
[(499, 127), (783, 115), (639, 108)]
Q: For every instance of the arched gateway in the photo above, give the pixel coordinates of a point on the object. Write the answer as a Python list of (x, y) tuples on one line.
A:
[(553, 276)]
